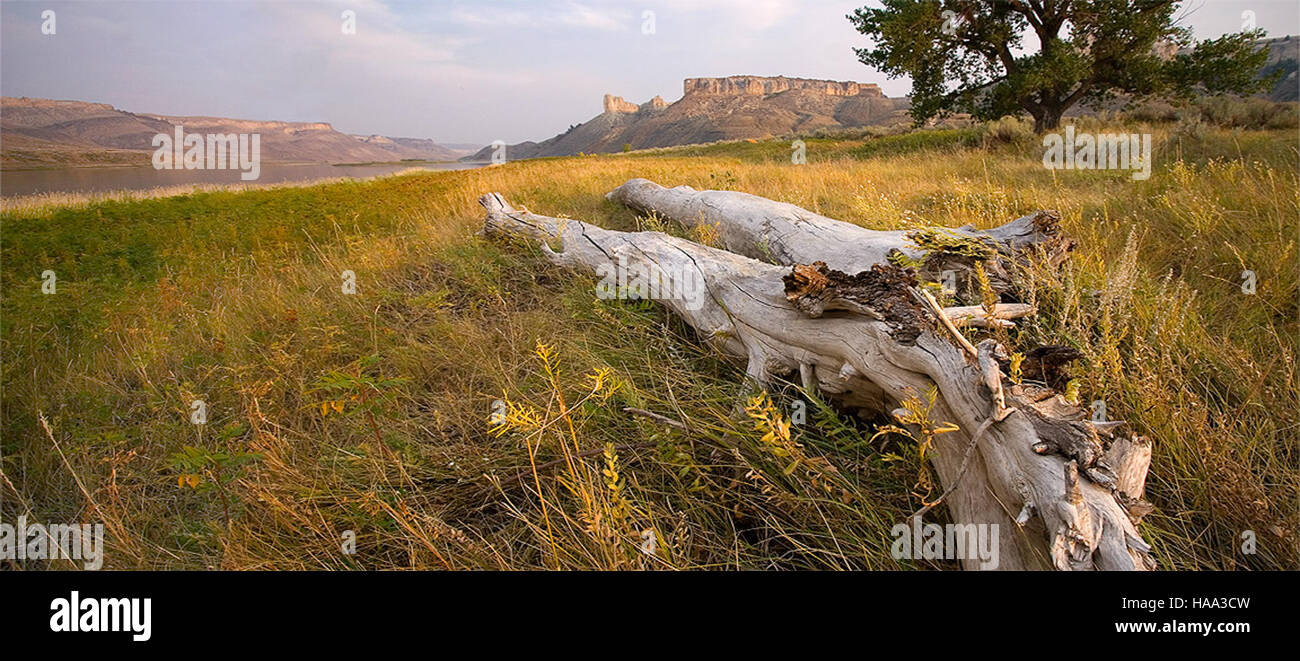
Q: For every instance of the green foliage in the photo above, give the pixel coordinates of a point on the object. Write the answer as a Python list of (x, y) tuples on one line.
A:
[(359, 392), (961, 55), (205, 470), (900, 259), (1229, 64), (915, 141), (221, 468), (941, 240)]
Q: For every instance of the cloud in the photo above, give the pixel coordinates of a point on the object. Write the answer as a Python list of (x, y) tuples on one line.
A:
[(542, 16), (576, 15), (737, 15), (457, 70)]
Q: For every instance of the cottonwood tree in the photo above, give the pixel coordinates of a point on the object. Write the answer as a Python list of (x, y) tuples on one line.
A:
[(977, 56)]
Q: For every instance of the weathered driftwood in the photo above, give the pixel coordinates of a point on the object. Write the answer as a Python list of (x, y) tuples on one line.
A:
[(1018, 458), (782, 233), (788, 235), (976, 316)]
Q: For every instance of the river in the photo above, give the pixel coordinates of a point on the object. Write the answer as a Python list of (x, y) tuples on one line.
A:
[(15, 183)]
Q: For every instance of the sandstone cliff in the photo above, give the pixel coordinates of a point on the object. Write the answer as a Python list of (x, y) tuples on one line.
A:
[(617, 104), (730, 108), (761, 86)]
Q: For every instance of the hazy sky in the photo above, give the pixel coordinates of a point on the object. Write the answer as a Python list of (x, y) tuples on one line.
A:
[(453, 71)]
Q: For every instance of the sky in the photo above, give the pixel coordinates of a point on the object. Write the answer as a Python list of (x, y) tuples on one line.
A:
[(454, 71)]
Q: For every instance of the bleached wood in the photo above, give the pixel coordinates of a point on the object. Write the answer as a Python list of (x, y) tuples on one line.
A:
[(782, 233), (978, 317), (1130, 458), (1022, 467)]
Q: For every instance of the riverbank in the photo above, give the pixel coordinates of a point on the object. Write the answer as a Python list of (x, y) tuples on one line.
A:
[(329, 411)]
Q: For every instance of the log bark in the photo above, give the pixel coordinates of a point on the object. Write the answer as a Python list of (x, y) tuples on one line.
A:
[(782, 233), (1023, 459)]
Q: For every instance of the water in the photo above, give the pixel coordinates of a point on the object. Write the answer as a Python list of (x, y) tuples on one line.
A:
[(92, 180)]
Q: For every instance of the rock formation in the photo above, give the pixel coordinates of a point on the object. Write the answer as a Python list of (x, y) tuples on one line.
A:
[(762, 86), (730, 108), (617, 104)]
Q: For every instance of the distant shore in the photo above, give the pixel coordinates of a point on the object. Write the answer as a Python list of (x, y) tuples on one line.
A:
[(72, 198), (11, 166)]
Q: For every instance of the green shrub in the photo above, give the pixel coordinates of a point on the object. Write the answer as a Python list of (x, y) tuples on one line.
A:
[(1009, 130), (923, 140), (1248, 113)]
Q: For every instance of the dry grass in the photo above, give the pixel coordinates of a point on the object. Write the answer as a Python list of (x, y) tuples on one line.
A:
[(373, 412)]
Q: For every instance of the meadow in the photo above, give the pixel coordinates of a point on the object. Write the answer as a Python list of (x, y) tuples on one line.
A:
[(464, 408)]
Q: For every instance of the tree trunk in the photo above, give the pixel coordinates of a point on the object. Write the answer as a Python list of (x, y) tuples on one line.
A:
[(785, 234), (1047, 118), (1023, 459)]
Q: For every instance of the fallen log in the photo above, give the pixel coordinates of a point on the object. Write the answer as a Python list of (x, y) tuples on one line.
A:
[(1023, 459), (782, 233)]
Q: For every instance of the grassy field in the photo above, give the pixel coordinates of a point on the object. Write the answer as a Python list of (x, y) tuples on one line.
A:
[(370, 412)]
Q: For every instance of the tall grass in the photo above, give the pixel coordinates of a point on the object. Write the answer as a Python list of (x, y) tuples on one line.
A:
[(465, 408)]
